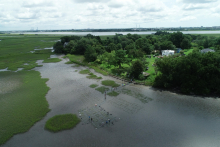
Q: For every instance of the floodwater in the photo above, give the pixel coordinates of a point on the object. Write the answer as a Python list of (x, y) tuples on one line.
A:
[(113, 33), (169, 120)]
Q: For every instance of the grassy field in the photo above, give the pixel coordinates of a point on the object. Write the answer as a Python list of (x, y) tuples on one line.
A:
[(22, 102), (93, 86), (22, 94), (102, 89), (52, 60), (62, 122)]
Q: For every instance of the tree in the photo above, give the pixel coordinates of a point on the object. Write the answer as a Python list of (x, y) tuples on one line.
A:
[(111, 47), (90, 54), (146, 48), (120, 57), (185, 44), (137, 68), (58, 47), (176, 38), (167, 45)]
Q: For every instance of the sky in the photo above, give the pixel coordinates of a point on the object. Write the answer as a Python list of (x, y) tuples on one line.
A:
[(101, 14)]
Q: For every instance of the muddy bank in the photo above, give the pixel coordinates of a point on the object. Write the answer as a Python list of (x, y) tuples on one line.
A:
[(167, 120)]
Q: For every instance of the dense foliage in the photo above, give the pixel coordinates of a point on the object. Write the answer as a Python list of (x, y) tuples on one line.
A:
[(126, 54), (197, 73)]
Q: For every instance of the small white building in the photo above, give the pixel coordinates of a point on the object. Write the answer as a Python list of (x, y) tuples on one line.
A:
[(167, 52)]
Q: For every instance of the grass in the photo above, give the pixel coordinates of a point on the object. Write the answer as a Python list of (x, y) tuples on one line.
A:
[(86, 71), (22, 102), (92, 76), (93, 86), (99, 70), (113, 93), (52, 60), (102, 89), (187, 51), (62, 122), (110, 83), (76, 65), (78, 59)]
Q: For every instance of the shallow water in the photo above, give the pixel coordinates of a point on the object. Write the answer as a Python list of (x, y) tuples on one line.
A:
[(169, 120)]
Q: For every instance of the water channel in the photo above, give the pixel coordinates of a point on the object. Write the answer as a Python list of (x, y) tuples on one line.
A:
[(168, 120)]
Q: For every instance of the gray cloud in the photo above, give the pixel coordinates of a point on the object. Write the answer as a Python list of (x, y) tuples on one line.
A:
[(32, 4), (27, 16), (89, 1), (199, 1), (143, 9), (191, 8), (115, 5)]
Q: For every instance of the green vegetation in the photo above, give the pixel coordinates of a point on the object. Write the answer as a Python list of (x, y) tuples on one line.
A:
[(92, 76), (113, 93), (102, 89), (110, 83), (22, 94), (22, 102), (62, 122), (52, 60), (196, 73), (93, 86), (86, 71)]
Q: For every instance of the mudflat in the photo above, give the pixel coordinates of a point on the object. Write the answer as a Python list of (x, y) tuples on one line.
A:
[(142, 116)]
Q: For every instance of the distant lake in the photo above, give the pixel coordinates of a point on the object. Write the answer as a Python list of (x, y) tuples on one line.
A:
[(113, 33)]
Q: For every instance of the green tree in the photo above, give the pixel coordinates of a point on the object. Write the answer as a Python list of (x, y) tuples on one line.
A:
[(90, 54), (185, 44), (58, 47), (147, 48), (176, 38), (120, 57), (137, 69)]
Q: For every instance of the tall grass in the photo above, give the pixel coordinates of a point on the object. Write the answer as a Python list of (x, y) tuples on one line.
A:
[(110, 83)]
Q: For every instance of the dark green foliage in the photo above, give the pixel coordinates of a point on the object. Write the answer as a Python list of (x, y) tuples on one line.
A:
[(167, 45), (197, 73), (161, 33), (137, 68), (90, 54), (120, 57), (58, 47), (185, 44), (62, 122), (176, 38)]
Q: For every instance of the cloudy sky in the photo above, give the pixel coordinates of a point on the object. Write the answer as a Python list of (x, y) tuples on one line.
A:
[(81, 14)]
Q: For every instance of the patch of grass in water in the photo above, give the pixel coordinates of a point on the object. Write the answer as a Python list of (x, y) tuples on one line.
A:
[(113, 93), (68, 62), (62, 122), (110, 83), (136, 95), (92, 76), (52, 60), (76, 70), (102, 89), (93, 85), (76, 65), (86, 71)]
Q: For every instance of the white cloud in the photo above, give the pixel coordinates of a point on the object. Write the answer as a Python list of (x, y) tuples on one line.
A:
[(56, 14)]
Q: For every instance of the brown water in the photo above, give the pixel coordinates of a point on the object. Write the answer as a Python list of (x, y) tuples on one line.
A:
[(169, 120)]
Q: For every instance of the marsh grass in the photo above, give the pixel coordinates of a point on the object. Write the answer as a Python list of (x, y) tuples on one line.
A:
[(110, 83), (113, 93), (62, 122), (93, 86), (92, 76), (139, 96), (86, 71), (102, 89), (52, 60), (22, 106)]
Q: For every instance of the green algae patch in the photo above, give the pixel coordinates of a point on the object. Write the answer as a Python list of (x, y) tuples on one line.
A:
[(62, 122), (93, 86), (102, 89), (110, 83), (86, 71), (113, 93), (22, 102)]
